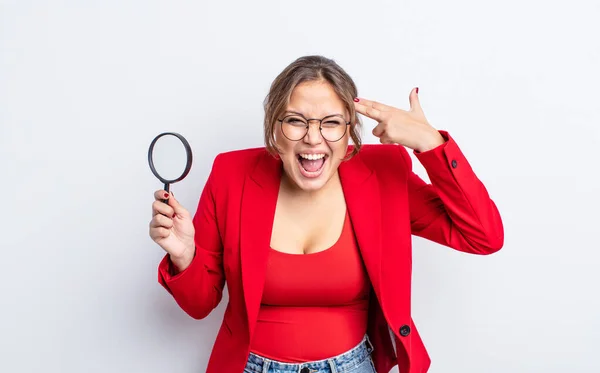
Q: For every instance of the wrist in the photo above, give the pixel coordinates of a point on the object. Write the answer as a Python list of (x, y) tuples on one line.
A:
[(432, 140), (181, 262)]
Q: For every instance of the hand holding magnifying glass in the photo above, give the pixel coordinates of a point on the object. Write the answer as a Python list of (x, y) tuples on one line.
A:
[(171, 227)]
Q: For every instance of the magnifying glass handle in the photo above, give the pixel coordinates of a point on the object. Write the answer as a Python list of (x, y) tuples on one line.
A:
[(167, 185)]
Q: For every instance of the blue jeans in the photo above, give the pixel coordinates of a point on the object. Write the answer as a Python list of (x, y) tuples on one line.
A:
[(356, 360)]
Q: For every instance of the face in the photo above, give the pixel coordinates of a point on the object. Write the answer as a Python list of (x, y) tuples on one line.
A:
[(311, 162)]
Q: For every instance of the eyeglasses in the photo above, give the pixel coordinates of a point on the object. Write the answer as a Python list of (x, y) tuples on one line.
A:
[(295, 127)]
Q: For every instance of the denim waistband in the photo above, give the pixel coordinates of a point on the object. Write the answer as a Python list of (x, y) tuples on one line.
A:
[(339, 363)]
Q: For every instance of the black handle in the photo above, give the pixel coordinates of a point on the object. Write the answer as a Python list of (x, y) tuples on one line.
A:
[(167, 185)]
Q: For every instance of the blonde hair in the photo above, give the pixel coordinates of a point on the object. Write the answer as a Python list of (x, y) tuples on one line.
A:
[(306, 69)]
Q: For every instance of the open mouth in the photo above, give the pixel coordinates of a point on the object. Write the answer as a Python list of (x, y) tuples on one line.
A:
[(311, 165)]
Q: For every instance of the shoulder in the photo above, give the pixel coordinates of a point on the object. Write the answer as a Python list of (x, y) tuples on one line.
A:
[(235, 164)]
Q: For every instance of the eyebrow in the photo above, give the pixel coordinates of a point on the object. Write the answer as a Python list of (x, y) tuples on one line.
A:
[(295, 112)]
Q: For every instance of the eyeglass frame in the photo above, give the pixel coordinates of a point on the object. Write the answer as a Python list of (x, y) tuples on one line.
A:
[(320, 125)]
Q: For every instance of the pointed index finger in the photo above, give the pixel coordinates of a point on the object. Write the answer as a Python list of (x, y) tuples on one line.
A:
[(369, 111), (375, 105)]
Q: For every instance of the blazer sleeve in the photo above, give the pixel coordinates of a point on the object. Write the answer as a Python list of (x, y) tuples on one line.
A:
[(199, 288), (455, 210)]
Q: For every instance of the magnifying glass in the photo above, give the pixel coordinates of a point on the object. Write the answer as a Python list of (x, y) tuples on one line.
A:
[(170, 158)]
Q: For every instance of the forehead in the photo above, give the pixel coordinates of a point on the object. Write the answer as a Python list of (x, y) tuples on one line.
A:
[(315, 99)]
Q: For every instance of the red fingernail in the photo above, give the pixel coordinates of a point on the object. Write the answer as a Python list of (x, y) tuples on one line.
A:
[(166, 195), (356, 100), (174, 215), (417, 90)]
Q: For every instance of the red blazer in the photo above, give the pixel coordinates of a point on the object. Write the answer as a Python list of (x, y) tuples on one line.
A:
[(386, 202)]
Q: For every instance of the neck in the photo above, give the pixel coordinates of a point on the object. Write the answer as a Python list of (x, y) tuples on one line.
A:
[(292, 188)]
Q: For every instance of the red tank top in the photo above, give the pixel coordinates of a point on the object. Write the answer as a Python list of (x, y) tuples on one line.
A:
[(314, 306)]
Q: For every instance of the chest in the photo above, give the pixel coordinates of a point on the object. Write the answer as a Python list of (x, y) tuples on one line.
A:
[(335, 276), (308, 227)]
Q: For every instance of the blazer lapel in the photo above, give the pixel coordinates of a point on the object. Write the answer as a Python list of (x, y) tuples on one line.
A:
[(361, 191), (259, 199)]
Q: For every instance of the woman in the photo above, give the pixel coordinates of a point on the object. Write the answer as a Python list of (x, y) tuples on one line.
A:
[(313, 235)]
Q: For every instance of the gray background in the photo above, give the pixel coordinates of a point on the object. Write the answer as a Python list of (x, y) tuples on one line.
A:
[(86, 85)]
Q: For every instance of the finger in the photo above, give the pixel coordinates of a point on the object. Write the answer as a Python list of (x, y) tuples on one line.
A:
[(375, 105), (159, 232), (161, 221), (379, 130), (161, 194), (177, 208), (369, 111), (385, 140), (159, 207), (413, 97)]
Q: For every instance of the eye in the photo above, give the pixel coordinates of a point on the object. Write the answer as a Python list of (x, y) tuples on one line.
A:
[(294, 121), (332, 122)]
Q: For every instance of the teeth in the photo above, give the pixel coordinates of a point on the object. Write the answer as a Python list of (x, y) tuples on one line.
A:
[(312, 157)]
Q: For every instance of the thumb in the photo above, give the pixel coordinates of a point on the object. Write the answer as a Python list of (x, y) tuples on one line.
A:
[(174, 203), (415, 105)]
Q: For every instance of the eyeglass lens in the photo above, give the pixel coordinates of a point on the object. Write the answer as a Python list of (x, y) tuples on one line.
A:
[(295, 127)]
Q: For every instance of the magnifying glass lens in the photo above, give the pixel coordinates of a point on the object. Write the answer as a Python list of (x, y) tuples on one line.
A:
[(169, 157)]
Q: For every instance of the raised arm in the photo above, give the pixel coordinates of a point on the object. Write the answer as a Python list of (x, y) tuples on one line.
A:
[(455, 210), (198, 288)]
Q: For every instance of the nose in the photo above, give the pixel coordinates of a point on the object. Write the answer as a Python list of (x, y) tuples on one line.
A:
[(313, 136)]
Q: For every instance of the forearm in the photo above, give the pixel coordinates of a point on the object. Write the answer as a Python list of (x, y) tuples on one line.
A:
[(455, 209)]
